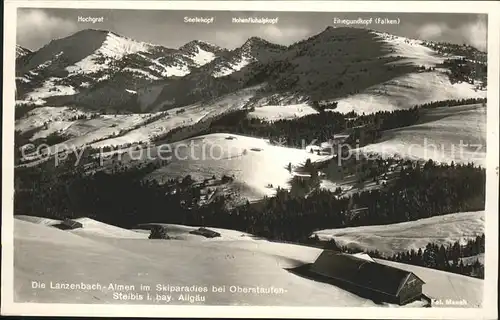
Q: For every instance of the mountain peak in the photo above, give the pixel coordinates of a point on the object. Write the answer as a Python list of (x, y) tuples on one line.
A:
[(91, 31), (201, 44), (21, 51), (254, 44), (104, 35), (201, 52), (252, 41)]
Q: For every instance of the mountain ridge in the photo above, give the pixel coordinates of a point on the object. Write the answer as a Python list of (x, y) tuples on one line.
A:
[(98, 69)]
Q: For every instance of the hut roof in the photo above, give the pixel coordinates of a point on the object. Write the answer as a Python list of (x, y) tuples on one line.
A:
[(205, 232), (361, 272)]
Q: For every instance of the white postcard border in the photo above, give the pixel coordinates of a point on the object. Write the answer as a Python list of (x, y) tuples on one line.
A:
[(489, 309)]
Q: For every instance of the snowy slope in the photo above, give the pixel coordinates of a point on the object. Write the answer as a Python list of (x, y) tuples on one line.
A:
[(438, 136), (254, 162), (399, 237), (39, 117), (46, 254), (200, 113), (201, 52), (182, 232), (273, 113), (113, 47), (74, 63), (88, 132), (441, 285), (93, 227), (414, 51), (38, 220), (89, 61), (253, 50), (372, 71), (202, 57), (79, 127), (407, 91), (49, 88), (116, 130), (228, 72)]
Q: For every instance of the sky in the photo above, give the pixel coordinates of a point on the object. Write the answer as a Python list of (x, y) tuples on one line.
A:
[(37, 27)]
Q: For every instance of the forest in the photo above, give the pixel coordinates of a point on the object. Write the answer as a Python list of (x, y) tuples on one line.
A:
[(123, 197), (463, 70), (463, 50), (326, 125)]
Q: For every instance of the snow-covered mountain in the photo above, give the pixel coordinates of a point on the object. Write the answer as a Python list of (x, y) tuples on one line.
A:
[(202, 52), (90, 62), (362, 69), (253, 50)]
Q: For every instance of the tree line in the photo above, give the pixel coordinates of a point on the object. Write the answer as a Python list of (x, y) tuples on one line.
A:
[(463, 70), (325, 126), (441, 257)]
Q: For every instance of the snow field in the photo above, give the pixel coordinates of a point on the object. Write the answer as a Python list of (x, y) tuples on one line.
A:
[(273, 113), (400, 237), (408, 91), (443, 134), (164, 70), (38, 220), (86, 132), (36, 118), (49, 89), (413, 50), (117, 130), (156, 128), (47, 254), (441, 285), (114, 47), (93, 227), (202, 57), (254, 162), (233, 66), (183, 117)]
